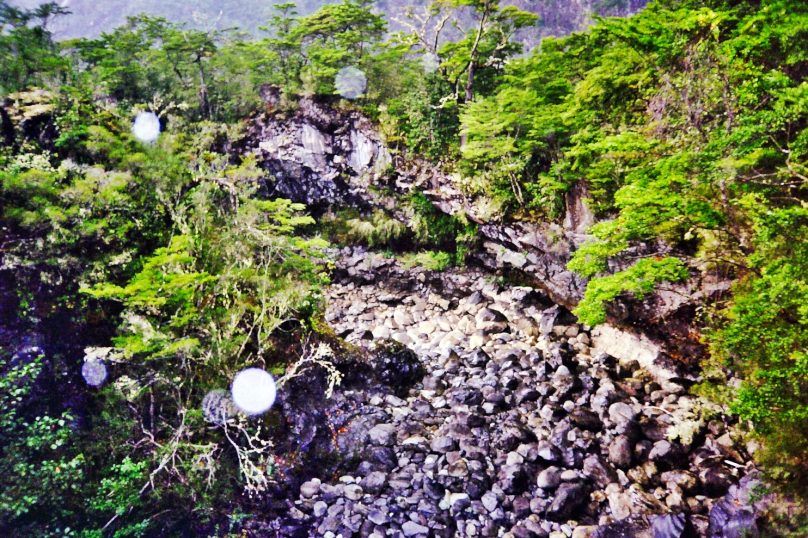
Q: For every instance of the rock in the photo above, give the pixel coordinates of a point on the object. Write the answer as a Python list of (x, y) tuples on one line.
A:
[(586, 419), (378, 517), (621, 413), (459, 501), (353, 492), (396, 366), (382, 434), (619, 502), (665, 452), (490, 501), (620, 452), (489, 315), (512, 479), (599, 471), (684, 479), (549, 478), (548, 453), (569, 497), (319, 509), (310, 489), (442, 444), (374, 482), (411, 528), (716, 479), (526, 394), (671, 526)]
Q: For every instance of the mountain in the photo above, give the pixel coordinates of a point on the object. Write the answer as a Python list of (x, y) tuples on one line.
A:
[(89, 18)]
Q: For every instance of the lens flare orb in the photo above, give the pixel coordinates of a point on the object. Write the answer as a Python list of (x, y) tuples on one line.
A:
[(253, 391), (430, 63), (351, 82), (146, 127), (94, 372)]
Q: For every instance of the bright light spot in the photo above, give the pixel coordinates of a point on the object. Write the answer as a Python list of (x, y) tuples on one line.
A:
[(351, 82), (94, 372), (253, 391), (146, 127), (218, 407), (430, 62)]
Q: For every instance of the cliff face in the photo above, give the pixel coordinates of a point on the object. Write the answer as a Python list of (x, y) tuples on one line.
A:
[(325, 157)]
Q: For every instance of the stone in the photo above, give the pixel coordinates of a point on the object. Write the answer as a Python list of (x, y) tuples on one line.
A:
[(621, 413), (490, 501), (411, 528), (378, 517), (569, 497), (548, 452), (311, 488), (353, 492), (620, 452), (442, 444), (512, 479), (374, 482), (599, 471), (586, 419), (549, 478), (671, 526), (382, 434), (319, 509), (619, 502)]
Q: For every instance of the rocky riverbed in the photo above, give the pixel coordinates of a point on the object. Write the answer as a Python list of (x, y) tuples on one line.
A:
[(514, 426)]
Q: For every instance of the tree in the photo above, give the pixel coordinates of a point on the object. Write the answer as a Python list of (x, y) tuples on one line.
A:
[(336, 36), (28, 54)]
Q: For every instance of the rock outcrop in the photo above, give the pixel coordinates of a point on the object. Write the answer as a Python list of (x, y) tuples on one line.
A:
[(318, 155)]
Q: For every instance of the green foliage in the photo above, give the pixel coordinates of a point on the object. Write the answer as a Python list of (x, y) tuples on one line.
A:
[(433, 228), (639, 280), (27, 52), (764, 336), (428, 259), (380, 230), (41, 472)]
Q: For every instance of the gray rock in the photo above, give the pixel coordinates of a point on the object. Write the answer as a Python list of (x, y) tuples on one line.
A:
[(382, 434), (353, 492), (620, 452), (599, 471), (378, 517), (411, 528), (374, 482), (311, 488), (490, 501), (569, 497), (549, 478), (621, 413), (319, 509)]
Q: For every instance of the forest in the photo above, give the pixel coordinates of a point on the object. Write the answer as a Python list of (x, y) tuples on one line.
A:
[(139, 274)]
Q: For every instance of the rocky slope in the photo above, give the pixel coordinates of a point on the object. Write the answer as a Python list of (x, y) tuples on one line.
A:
[(519, 425), (524, 423)]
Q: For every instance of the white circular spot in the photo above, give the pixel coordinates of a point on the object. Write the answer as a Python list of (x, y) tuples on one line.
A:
[(351, 82), (94, 372), (218, 407), (253, 391), (430, 62), (146, 127)]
